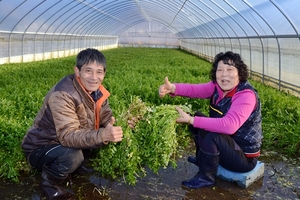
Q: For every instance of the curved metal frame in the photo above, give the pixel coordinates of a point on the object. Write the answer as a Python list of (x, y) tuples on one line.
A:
[(9, 48), (247, 21), (263, 65)]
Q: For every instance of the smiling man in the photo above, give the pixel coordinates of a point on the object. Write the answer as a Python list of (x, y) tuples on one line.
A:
[(75, 115)]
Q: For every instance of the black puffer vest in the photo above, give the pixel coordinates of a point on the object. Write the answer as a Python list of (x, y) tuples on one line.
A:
[(249, 135)]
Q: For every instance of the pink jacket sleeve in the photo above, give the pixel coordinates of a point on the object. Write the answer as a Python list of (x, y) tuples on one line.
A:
[(243, 103), (202, 90)]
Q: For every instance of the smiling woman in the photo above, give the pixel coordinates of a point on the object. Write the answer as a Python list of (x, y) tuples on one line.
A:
[(229, 73), (231, 135), (227, 77)]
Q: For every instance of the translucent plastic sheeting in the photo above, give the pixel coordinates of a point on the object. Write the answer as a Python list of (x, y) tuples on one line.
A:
[(186, 19), (148, 34)]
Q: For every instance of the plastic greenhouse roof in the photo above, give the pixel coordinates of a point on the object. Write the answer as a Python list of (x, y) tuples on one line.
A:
[(185, 18)]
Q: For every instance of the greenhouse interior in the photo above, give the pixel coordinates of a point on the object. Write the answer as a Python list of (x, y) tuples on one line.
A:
[(266, 33)]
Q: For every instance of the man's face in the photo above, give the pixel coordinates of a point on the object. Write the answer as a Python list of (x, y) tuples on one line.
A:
[(227, 76), (91, 76)]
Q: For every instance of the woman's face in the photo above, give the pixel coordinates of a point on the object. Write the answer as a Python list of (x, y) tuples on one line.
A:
[(227, 76)]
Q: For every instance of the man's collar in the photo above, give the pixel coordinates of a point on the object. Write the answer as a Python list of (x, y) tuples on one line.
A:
[(96, 95)]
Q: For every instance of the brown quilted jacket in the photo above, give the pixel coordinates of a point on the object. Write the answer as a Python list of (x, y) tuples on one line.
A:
[(69, 117)]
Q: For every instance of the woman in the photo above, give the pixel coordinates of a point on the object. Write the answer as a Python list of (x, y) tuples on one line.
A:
[(231, 135)]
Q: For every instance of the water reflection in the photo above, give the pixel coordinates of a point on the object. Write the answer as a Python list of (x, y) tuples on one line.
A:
[(281, 181)]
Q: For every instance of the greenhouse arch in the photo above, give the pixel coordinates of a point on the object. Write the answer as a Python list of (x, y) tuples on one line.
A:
[(264, 32)]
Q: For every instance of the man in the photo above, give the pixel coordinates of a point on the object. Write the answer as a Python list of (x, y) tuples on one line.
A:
[(75, 116)]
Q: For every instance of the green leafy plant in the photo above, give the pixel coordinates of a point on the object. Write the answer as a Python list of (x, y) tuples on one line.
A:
[(158, 136), (153, 142), (131, 72)]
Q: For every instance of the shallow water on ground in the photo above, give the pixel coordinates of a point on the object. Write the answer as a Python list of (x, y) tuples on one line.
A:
[(281, 180)]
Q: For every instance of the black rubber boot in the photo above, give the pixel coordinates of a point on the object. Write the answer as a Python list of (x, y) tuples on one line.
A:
[(196, 134), (193, 160), (50, 182), (208, 167), (194, 131)]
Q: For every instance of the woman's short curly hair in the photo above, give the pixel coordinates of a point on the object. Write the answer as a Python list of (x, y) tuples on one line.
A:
[(230, 58)]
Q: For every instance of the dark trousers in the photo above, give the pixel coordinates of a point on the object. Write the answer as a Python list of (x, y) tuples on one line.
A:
[(231, 156), (62, 160)]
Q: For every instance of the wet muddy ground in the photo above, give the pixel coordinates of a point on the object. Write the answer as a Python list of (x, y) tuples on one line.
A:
[(281, 180)]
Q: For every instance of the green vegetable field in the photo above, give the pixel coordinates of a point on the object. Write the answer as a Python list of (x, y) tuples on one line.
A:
[(133, 77)]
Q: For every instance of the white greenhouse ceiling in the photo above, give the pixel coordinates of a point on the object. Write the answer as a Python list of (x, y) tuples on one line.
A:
[(184, 18)]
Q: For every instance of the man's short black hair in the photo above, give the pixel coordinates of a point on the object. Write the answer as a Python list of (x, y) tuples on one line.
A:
[(88, 56)]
